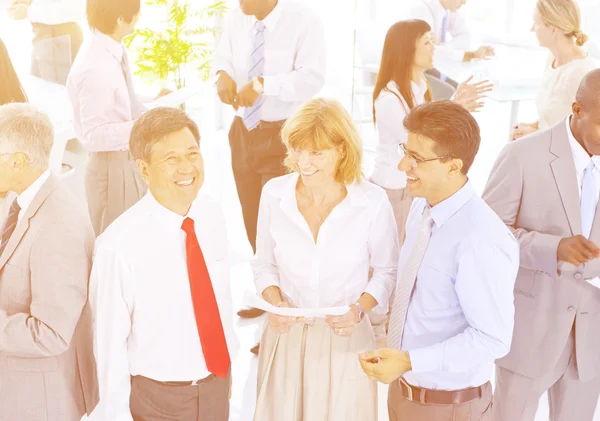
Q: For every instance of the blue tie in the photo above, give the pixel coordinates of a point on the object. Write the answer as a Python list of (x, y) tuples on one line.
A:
[(443, 40), (588, 200), (256, 69)]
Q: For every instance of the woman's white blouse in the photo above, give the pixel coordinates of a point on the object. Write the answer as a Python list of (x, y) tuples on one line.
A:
[(358, 234)]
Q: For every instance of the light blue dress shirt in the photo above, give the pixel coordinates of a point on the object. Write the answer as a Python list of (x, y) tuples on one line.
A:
[(461, 314)]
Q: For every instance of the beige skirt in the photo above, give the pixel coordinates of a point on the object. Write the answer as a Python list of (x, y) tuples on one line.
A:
[(112, 185), (311, 374)]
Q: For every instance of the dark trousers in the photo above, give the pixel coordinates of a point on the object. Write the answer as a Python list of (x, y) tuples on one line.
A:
[(436, 73), (256, 157), (159, 401), (54, 50)]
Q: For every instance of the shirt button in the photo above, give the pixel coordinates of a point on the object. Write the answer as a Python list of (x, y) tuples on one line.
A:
[(578, 276), (571, 309)]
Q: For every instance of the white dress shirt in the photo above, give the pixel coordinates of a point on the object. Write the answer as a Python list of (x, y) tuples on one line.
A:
[(432, 12), (582, 160), (27, 195), (144, 322), (390, 110), (55, 12), (294, 56), (558, 89), (461, 314), (359, 233)]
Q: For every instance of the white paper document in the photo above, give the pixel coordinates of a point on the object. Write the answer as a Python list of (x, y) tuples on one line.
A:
[(174, 99), (255, 301), (595, 282)]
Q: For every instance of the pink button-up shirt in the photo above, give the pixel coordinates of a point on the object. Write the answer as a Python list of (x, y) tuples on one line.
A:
[(103, 113)]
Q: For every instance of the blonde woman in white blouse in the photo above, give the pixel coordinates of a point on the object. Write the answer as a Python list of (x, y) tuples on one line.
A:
[(557, 26), (320, 229)]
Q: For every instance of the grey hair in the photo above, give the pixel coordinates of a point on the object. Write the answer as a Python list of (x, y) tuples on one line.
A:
[(24, 128)]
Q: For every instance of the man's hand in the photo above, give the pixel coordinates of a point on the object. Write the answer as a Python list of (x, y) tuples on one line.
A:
[(227, 89), (577, 250), (482, 53), (470, 95), (282, 324), (163, 92), (247, 96), (385, 365), (18, 9), (343, 325)]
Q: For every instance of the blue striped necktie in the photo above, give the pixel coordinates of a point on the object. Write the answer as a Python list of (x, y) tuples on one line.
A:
[(256, 68), (588, 200), (10, 225)]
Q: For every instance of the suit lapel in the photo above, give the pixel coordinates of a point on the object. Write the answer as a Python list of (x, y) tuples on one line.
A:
[(23, 224), (563, 168)]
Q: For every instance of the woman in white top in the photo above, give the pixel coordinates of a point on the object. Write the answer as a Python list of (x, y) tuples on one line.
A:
[(407, 53), (320, 230), (557, 26)]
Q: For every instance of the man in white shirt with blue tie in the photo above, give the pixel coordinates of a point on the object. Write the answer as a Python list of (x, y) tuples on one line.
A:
[(545, 187), (452, 311), (270, 59), (449, 26)]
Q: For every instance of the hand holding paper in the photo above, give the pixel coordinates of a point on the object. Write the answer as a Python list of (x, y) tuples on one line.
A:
[(254, 301)]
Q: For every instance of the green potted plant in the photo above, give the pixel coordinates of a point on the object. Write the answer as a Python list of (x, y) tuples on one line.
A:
[(180, 45)]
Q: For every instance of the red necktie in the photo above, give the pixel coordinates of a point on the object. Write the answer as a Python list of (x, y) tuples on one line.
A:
[(208, 319)]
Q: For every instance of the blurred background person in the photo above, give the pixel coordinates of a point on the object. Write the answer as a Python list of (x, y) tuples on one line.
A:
[(320, 229), (451, 32), (10, 86), (557, 26), (57, 36)]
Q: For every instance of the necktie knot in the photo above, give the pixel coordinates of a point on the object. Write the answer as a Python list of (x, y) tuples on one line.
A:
[(188, 225), (590, 166), (14, 208), (259, 27)]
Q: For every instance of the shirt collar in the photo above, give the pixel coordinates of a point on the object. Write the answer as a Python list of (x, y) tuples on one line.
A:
[(116, 49), (272, 18), (447, 208), (580, 156), (27, 196), (167, 217)]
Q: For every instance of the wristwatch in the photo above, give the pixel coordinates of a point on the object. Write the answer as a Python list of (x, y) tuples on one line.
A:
[(361, 312), (257, 86)]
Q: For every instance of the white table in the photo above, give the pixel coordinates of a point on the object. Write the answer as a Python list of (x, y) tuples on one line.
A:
[(53, 99)]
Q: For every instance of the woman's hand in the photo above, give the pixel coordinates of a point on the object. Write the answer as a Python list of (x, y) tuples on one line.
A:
[(344, 325), (282, 324), (470, 95), (523, 129)]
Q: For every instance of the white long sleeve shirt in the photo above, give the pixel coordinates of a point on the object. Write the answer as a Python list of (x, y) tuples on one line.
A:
[(390, 111), (294, 56), (55, 12), (144, 322), (359, 233), (432, 12)]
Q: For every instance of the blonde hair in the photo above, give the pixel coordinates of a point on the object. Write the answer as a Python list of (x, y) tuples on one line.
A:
[(563, 15), (323, 124)]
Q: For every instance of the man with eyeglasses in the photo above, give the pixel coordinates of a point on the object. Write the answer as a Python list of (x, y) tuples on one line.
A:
[(47, 367), (452, 311)]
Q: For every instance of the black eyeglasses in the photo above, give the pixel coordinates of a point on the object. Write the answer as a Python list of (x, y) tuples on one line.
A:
[(414, 161)]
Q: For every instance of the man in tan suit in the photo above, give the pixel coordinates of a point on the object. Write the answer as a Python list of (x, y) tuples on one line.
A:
[(545, 189), (47, 369)]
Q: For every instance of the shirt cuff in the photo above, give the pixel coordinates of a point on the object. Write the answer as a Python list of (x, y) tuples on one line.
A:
[(548, 249), (378, 292), (424, 360), (271, 85), (265, 281), (222, 67)]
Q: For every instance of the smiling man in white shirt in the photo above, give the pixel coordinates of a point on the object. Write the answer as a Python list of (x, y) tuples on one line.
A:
[(160, 291), (449, 26), (57, 35), (452, 314)]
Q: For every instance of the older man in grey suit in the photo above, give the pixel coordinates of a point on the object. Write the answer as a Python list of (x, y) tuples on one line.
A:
[(545, 188), (47, 369)]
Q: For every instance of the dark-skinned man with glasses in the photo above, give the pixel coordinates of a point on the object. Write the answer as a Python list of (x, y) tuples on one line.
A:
[(452, 310)]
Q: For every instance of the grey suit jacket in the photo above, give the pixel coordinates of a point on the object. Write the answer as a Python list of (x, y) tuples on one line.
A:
[(47, 368), (533, 188)]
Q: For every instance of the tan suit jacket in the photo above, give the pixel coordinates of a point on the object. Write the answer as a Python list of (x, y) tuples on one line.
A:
[(533, 188), (47, 368)]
